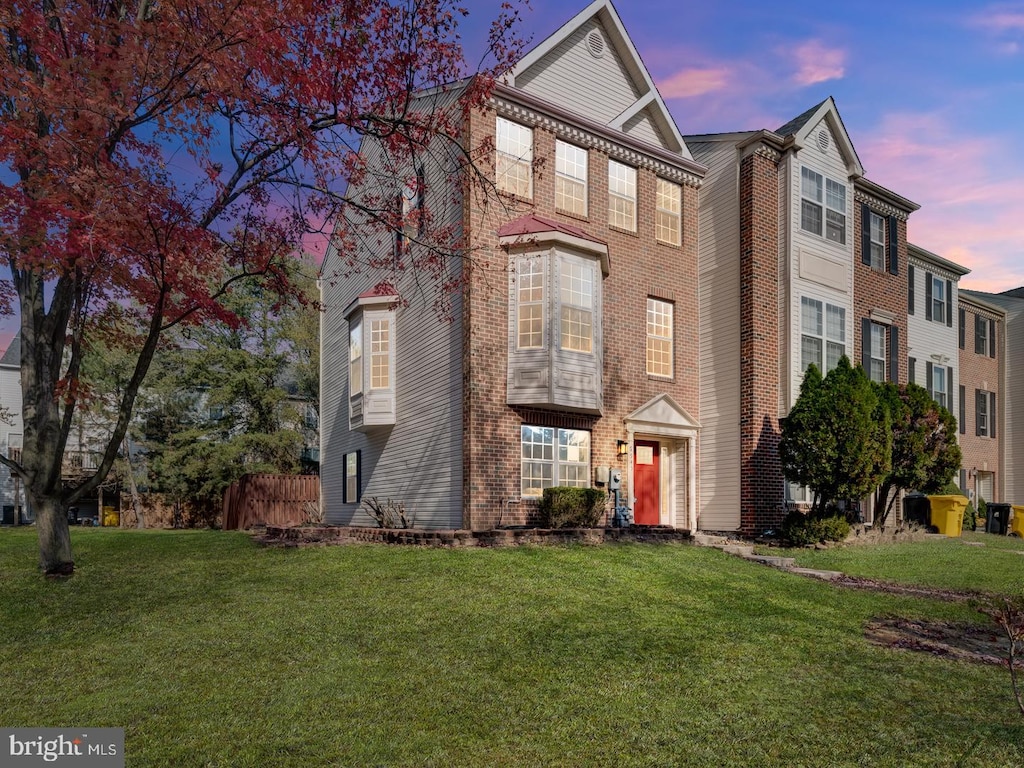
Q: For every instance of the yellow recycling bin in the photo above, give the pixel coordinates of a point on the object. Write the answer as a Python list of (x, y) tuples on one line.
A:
[(948, 513), (111, 517), (1017, 523)]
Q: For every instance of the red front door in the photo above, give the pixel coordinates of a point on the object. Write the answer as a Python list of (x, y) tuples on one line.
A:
[(647, 483)]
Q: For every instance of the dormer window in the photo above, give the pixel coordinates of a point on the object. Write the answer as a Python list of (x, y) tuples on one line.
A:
[(822, 206)]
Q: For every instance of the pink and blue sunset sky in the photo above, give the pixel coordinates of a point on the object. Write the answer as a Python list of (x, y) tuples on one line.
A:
[(931, 93)]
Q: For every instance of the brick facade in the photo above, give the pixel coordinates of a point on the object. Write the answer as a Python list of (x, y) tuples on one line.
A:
[(640, 267), (980, 372), (762, 484)]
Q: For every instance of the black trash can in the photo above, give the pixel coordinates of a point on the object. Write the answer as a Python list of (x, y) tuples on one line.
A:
[(997, 518), (917, 509)]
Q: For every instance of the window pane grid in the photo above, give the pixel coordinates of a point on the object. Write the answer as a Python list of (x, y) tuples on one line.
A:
[(355, 357), (621, 196), (668, 216), (939, 385), (577, 299), (570, 178), (530, 295), (877, 237), (380, 348), (514, 158), (826, 333), (659, 338), (568, 460), (938, 300), (876, 352)]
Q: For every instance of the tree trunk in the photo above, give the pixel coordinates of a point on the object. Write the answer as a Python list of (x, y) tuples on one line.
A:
[(54, 537)]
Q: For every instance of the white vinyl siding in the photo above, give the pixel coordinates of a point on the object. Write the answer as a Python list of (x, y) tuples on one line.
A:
[(570, 178), (659, 338), (668, 214), (513, 158), (621, 196)]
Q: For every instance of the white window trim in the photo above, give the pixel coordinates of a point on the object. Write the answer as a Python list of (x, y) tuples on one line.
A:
[(513, 144), (571, 170), (556, 462), (877, 355), (940, 304), (355, 356), (822, 202), (823, 337), (660, 309), (672, 215), (627, 195), (939, 376), (877, 243)]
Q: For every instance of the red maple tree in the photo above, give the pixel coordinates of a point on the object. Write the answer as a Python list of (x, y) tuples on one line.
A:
[(155, 152)]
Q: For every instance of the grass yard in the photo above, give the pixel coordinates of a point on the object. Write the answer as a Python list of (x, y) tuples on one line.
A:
[(210, 651)]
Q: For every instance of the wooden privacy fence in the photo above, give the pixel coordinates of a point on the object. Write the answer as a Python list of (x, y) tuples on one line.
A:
[(271, 500)]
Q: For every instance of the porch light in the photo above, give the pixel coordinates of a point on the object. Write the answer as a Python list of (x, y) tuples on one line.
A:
[(622, 447)]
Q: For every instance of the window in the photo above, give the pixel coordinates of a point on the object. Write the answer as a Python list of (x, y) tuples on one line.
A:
[(816, 190), (410, 205), (877, 236), (621, 196), (939, 381), (552, 456), (350, 491), (668, 220), (659, 338), (577, 302), (530, 303), (938, 300), (380, 353), (985, 413), (355, 357), (311, 417), (514, 158), (824, 328), (984, 336), (570, 178), (876, 370)]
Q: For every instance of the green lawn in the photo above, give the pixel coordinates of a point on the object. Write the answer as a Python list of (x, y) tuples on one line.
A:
[(211, 651)]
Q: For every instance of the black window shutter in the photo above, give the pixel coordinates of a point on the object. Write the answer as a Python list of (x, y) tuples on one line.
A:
[(949, 303), (894, 352), (865, 345), (992, 414), (963, 480), (928, 377), (865, 234), (910, 369), (991, 338), (963, 410), (894, 257), (910, 289), (962, 318), (949, 387), (979, 406), (421, 197), (927, 295)]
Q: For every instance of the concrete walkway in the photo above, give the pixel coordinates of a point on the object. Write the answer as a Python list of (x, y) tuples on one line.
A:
[(746, 551)]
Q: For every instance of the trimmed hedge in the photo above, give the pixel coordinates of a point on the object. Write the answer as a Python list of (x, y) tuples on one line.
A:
[(801, 530), (565, 507)]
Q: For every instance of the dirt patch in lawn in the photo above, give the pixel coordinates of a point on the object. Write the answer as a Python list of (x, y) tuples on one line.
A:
[(963, 642), (910, 590)]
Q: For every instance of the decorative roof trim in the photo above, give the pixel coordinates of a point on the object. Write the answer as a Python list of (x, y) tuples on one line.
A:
[(927, 258), (880, 206), (618, 146)]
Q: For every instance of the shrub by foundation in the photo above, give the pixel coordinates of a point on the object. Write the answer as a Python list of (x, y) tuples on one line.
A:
[(565, 507)]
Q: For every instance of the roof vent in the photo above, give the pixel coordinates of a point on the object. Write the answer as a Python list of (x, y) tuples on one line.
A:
[(595, 44), (823, 140)]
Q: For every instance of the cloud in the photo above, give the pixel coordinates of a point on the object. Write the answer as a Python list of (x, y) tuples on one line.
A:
[(969, 189), (1000, 21), (817, 63), (695, 81)]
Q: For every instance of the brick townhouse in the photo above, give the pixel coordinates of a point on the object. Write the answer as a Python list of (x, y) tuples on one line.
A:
[(572, 344)]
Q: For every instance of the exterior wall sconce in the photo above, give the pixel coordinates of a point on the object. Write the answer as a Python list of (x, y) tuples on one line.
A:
[(621, 447)]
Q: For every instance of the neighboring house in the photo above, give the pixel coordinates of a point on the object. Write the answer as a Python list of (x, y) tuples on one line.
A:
[(12, 494), (933, 347), (802, 260), (1011, 404), (570, 346), (982, 341)]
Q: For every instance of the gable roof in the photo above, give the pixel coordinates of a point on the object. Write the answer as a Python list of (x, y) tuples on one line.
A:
[(799, 129), (12, 357), (648, 100)]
